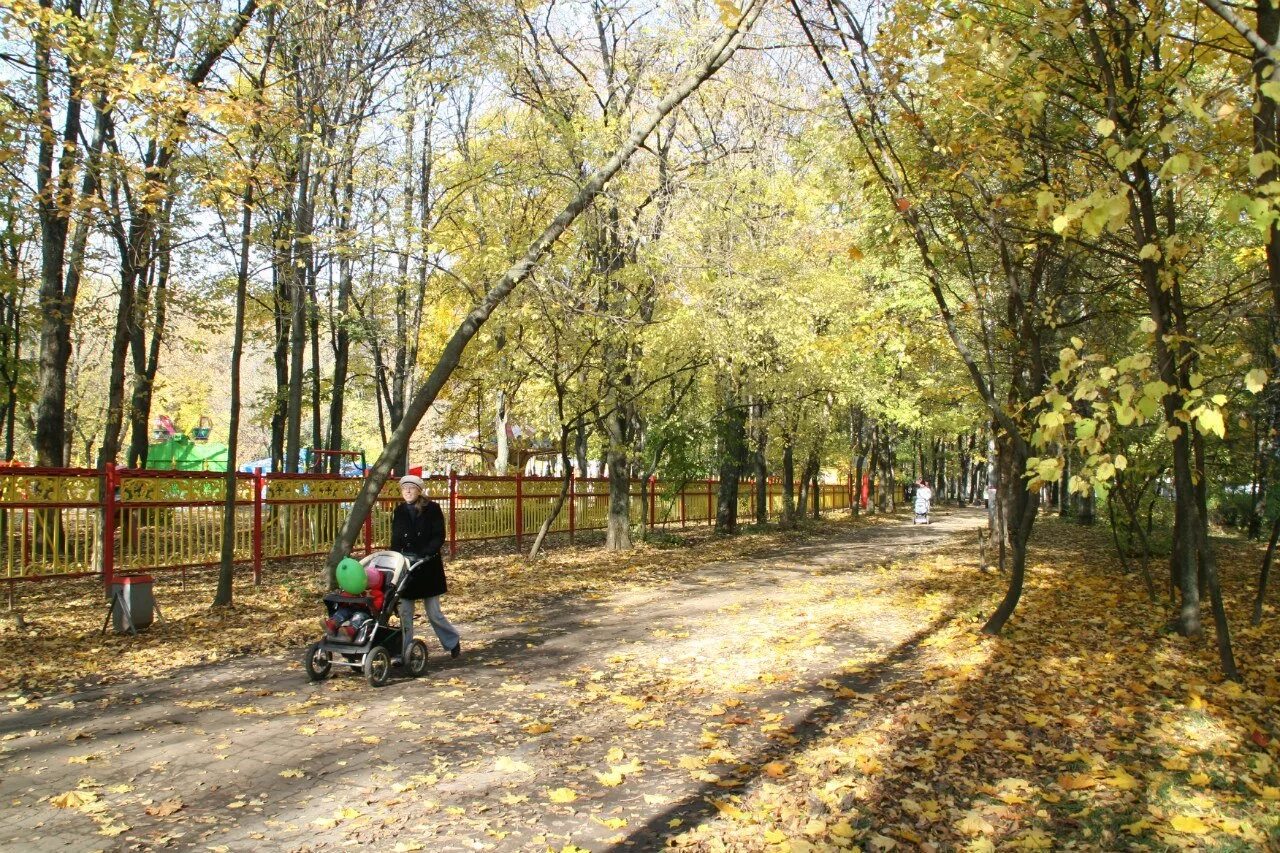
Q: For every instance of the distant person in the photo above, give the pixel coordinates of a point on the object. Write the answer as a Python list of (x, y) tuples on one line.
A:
[(417, 532), (924, 498)]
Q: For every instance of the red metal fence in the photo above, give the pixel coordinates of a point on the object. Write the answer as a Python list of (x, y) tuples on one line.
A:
[(74, 522)]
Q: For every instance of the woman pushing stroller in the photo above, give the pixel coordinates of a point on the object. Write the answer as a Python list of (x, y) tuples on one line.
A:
[(924, 498), (417, 532)]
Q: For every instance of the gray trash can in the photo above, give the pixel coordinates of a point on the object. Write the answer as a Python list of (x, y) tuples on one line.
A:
[(132, 603)]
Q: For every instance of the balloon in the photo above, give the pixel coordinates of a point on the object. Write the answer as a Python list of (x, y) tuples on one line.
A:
[(351, 577), (374, 576)]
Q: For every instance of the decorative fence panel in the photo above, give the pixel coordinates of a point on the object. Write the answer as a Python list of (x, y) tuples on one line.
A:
[(54, 522), (173, 520)]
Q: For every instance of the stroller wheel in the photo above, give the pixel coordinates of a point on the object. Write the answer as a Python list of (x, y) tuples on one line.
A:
[(317, 662), (416, 661), (377, 667)]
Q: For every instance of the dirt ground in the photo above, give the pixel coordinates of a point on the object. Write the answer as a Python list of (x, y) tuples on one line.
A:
[(580, 718)]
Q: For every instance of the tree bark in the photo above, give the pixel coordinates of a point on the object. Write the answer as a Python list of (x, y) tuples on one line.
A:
[(341, 334), (761, 464), (618, 531), (300, 232), (788, 520), (52, 193), (223, 596)]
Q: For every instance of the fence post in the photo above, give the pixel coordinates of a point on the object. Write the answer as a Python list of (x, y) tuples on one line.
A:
[(109, 526), (711, 519), (453, 512), (519, 507), (573, 483), (259, 494), (683, 486)]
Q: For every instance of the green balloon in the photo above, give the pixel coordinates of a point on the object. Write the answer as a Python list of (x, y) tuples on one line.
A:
[(351, 576)]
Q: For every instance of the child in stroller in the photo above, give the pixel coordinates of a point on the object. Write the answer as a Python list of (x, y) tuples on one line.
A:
[(372, 644), (350, 613)]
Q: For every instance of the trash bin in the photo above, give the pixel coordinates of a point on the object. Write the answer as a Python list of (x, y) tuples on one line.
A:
[(132, 603)]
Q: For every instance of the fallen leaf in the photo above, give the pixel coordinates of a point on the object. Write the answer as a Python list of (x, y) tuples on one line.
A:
[(1076, 781), (974, 824), (74, 799), (165, 808), (1190, 824)]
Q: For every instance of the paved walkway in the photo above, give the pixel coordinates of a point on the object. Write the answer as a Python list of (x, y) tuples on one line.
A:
[(608, 720)]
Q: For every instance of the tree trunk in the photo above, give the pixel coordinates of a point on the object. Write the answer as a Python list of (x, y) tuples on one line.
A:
[(580, 445), (52, 196), (788, 520), (732, 428), (110, 448), (873, 471), (502, 454), (300, 232), (156, 302), (313, 320), (281, 274), (1023, 505), (1264, 574), (565, 481), (761, 465), (341, 335), (618, 531), (223, 596), (889, 475)]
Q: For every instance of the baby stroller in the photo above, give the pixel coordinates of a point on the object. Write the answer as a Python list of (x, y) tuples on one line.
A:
[(377, 646)]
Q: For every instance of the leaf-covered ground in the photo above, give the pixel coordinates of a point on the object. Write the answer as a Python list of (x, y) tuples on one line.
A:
[(60, 645), (823, 691)]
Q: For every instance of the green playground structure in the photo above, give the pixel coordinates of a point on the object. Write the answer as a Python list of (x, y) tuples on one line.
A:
[(179, 453)]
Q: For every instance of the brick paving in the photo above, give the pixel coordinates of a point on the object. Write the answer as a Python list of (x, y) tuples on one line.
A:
[(591, 695)]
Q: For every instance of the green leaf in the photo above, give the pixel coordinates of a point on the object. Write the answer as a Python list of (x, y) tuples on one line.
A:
[(1048, 470), (1176, 165), (1210, 421), (1261, 162)]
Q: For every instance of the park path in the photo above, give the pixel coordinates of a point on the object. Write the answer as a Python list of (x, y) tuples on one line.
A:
[(610, 720)]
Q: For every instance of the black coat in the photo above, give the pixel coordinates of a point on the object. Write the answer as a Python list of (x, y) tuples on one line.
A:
[(419, 534)]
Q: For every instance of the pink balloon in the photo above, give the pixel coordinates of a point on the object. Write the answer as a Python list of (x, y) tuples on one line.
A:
[(374, 576)]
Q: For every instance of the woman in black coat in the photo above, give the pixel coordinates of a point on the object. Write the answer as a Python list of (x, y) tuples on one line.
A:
[(417, 531)]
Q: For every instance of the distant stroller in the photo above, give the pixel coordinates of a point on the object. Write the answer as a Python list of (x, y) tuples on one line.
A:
[(924, 497), (377, 645)]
